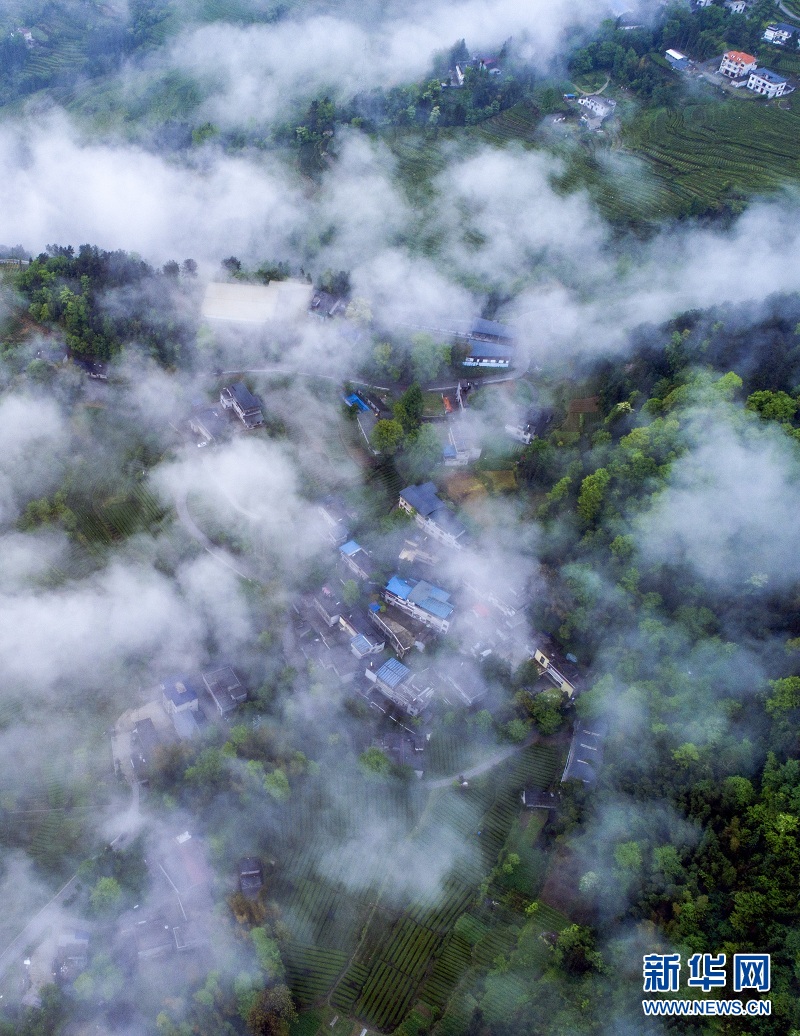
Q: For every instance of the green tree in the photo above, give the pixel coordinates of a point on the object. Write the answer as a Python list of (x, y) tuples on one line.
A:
[(428, 357), (592, 495), (576, 952), (351, 592), (277, 785), (106, 896), (267, 952), (409, 408), (375, 763), (272, 1012), (387, 437), (772, 406), (423, 451)]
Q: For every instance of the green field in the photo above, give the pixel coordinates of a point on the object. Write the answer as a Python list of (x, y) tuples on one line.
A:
[(373, 959), (704, 151)]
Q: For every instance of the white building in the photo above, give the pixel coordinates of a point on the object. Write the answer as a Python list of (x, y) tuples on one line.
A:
[(736, 6), (779, 33), (770, 84), (599, 107), (735, 64)]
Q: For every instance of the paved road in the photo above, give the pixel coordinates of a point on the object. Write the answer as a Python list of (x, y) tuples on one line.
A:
[(197, 534), (787, 12)]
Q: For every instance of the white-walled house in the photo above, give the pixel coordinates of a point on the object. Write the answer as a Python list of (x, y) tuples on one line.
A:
[(768, 83), (736, 63)]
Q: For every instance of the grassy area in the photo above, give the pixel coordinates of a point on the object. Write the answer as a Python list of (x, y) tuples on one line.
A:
[(517, 123), (704, 151), (417, 955)]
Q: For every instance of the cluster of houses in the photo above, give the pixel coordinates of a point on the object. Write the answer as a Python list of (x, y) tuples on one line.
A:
[(184, 707), (742, 70), (367, 639)]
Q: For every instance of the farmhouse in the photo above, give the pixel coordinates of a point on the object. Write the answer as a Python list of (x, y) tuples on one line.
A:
[(244, 404), (225, 689), (678, 61), (396, 682), (770, 84), (251, 875), (422, 600), (598, 107), (153, 938), (736, 6), (328, 605), (208, 424), (488, 354), (365, 640), (553, 674), (336, 518), (735, 64), (779, 33), (431, 514), (178, 694), (356, 559), (397, 632)]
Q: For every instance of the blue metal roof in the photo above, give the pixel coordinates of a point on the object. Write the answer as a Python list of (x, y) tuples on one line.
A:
[(361, 644), (393, 673), (429, 604), (179, 690), (351, 547), (399, 587)]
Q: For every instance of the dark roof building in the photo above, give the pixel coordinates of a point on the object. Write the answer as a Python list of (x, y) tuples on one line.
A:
[(356, 559), (244, 404), (145, 739), (585, 754), (390, 623), (225, 689), (251, 875), (208, 424), (532, 798), (337, 519), (431, 514), (328, 605)]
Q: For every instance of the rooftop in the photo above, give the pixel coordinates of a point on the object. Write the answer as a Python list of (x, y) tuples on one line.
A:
[(244, 397), (771, 77), (179, 690), (393, 673), (422, 593), (740, 57)]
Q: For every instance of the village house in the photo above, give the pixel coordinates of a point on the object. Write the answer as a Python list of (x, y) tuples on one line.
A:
[(553, 674), (532, 798), (225, 689), (208, 424), (178, 694), (365, 640), (598, 107), (736, 64), (431, 514), (489, 354), (153, 938), (357, 561), (328, 605), (336, 518), (397, 683), (678, 61), (465, 680), (251, 876), (244, 404), (779, 33), (462, 448), (420, 599), (736, 6), (395, 627), (768, 83), (325, 306)]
